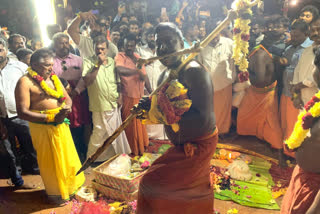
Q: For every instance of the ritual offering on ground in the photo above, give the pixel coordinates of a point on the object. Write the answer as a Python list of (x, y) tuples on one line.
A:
[(247, 179)]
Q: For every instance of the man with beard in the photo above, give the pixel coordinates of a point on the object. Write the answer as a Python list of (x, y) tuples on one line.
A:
[(258, 111), (309, 13), (42, 100), (104, 101), (256, 32), (132, 89), (115, 35), (16, 41), (304, 86), (178, 181), (10, 125), (154, 71), (303, 194), (69, 67), (85, 44)]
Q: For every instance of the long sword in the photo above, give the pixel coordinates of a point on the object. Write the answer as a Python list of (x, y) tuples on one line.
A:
[(232, 14)]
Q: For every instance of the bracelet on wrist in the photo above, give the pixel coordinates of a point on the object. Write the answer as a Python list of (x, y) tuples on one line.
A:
[(50, 118)]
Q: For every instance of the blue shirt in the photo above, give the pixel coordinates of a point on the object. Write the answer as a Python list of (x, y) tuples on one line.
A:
[(292, 54)]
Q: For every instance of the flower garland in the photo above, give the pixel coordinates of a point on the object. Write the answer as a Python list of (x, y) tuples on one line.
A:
[(58, 93), (241, 37), (304, 123)]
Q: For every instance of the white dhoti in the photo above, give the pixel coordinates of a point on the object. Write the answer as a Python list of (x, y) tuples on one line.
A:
[(104, 125)]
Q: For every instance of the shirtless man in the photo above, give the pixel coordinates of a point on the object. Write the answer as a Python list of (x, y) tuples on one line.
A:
[(162, 189), (258, 111), (46, 108), (303, 194)]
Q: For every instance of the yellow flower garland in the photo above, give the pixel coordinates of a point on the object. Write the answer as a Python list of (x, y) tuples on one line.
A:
[(299, 134), (241, 35), (58, 93)]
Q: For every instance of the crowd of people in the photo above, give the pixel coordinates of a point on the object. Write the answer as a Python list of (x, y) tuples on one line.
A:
[(60, 103)]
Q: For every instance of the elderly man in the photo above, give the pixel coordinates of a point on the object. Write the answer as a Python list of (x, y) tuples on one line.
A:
[(42, 100), (69, 67), (100, 78), (10, 125)]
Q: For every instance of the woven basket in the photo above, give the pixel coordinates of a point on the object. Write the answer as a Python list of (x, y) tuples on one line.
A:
[(128, 185), (115, 193)]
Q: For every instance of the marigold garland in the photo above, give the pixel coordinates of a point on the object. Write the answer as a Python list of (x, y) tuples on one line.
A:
[(241, 37), (304, 123), (58, 93)]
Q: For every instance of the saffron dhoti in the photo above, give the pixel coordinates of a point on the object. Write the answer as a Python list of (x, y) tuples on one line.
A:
[(57, 157), (258, 115), (136, 132), (176, 183), (302, 190)]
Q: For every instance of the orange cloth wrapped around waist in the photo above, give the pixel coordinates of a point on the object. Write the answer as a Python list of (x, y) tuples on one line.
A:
[(301, 192), (258, 115), (176, 183)]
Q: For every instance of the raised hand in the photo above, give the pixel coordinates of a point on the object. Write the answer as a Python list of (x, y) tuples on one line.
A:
[(88, 16)]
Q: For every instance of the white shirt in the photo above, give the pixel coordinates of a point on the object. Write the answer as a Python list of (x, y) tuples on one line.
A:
[(303, 73), (154, 69), (87, 50), (218, 60), (11, 55), (9, 77)]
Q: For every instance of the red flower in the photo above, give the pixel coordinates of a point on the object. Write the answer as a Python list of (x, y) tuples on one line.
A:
[(245, 37), (236, 30), (309, 105), (307, 121), (315, 99), (37, 78), (61, 99), (243, 76)]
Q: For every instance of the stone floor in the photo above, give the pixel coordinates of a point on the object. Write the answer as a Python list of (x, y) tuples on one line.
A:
[(34, 201)]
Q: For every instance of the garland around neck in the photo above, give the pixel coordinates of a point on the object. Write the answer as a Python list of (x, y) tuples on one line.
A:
[(304, 123), (58, 93)]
